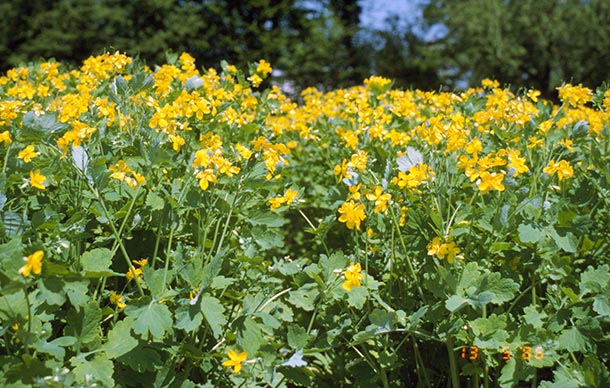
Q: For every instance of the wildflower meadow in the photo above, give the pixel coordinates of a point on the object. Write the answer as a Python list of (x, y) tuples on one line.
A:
[(184, 227)]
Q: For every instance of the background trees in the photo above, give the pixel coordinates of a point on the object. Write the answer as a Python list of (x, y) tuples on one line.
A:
[(322, 43)]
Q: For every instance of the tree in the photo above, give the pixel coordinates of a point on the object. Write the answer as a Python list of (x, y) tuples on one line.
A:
[(532, 43), (406, 57)]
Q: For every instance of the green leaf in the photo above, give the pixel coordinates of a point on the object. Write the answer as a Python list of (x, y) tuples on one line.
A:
[(594, 280), (570, 294), (213, 311), (267, 238), (533, 317), (56, 347), (529, 233), (153, 319), (51, 292), (507, 374), (486, 327), (297, 337), (455, 302), (141, 359), (470, 276), (601, 305), (304, 297), (572, 340), (382, 321), (100, 369), (77, 292), (267, 218), (156, 279), (503, 289), (188, 318), (120, 340), (568, 242), (97, 260), (154, 201), (220, 282), (11, 258), (356, 297), (251, 335)]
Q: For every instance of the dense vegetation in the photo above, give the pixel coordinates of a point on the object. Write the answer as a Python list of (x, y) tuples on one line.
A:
[(184, 227), (322, 43)]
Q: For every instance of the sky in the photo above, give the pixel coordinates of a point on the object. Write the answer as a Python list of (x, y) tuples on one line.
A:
[(374, 12)]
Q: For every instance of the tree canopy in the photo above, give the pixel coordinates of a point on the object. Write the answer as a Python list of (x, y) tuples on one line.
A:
[(530, 43)]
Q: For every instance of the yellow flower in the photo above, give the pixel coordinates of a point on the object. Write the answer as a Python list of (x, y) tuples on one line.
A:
[(352, 277), (33, 264), (563, 169), (5, 137), (136, 272), (568, 144), (359, 160), (491, 181), (177, 142), (381, 200), (255, 79), (354, 192), (264, 67), (235, 360), (37, 180), (243, 151), (27, 154), (533, 95), (289, 196), (117, 299), (443, 249), (352, 214), (205, 177), (575, 95), (342, 170), (287, 199)]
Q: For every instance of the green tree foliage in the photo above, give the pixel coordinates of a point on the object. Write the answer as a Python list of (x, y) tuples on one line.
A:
[(312, 42), (405, 57), (534, 43)]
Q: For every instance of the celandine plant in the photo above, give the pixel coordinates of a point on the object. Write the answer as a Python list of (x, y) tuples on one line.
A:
[(179, 227)]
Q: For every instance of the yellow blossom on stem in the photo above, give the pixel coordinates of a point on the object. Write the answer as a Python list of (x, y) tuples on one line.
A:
[(117, 299), (5, 137), (264, 67), (33, 264), (381, 200), (27, 154), (437, 247), (136, 272), (235, 360), (354, 192), (490, 181), (575, 95), (359, 160), (37, 180), (287, 199), (563, 169), (352, 214), (177, 142), (342, 170), (352, 277)]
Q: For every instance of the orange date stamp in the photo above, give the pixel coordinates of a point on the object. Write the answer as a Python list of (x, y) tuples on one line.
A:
[(525, 353)]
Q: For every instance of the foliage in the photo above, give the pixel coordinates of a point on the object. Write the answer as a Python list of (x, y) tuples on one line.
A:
[(530, 43), (184, 227)]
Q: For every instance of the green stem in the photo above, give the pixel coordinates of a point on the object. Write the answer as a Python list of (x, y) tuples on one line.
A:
[(455, 381), (407, 257), (117, 234), (6, 158), (167, 258), (315, 231), (419, 363)]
